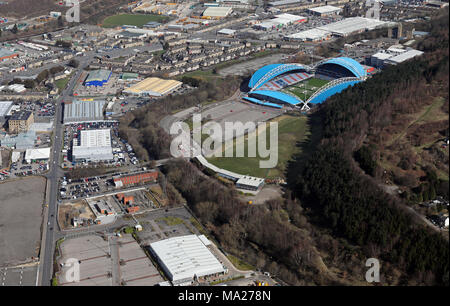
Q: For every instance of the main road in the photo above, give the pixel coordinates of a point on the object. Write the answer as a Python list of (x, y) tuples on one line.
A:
[(53, 177)]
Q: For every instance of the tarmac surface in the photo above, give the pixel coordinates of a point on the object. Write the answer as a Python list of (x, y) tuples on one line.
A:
[(21, 206)]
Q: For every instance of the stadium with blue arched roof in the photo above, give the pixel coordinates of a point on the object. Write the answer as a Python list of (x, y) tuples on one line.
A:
[(269, 72), (325, 94), (276, 96), (349, 64), (275, 83)]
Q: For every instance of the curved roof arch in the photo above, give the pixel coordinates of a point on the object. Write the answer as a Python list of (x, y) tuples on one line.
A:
[(328, 92), (267, 73), (278, 95), (348, 63)]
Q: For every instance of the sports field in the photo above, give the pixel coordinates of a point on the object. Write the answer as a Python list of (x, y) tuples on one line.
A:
[(131, 19), (291, 131), (307, 88)]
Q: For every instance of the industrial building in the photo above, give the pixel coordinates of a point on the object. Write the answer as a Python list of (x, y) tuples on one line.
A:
[(392, 56), (250, 183), (82, 111), (326, 10), (153, 87), (20, 121), (41, 154), (397, 59), (280, 21), (5, 54), (353, 25), (186, 258), (233, 1), (97, 77), (217, 12), (285, 2), (5, 107), (95, 145), (137, 178), (314, 35), (21, 142)]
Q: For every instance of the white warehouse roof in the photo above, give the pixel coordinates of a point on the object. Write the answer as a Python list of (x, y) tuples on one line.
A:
[(404, 56), (96, 138), (37, 154), (185, 257), (351, 25), (4, 107), (95, 145), (326, 9), (311, 34), (220, 11)]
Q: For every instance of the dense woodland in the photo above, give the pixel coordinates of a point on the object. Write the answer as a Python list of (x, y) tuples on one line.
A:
[(350, 201)]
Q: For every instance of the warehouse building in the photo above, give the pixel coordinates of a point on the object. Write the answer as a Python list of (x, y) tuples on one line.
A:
[(5, 54), (97, 77), (392, 56), (137, 178), (83, 111), (250, 183), (313, 35), (217, 12), (5, 107), (42, 154), (326, 10), (95, 145), (280, 21), (185, 259), (153, 87), (285, 2), (353, 25), (21, 142), (397, 59)]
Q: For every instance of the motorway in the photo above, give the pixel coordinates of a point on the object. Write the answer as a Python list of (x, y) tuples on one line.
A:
[(53, 176)]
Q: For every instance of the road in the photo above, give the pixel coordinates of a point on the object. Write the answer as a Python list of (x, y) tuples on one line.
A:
[(53, 176)]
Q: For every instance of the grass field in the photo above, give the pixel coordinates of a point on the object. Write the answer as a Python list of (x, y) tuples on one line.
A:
[(61, 84), (291, 130), (131, 19), (306, 89)]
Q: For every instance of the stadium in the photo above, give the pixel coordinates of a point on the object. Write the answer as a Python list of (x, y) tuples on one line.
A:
[(300, 86)]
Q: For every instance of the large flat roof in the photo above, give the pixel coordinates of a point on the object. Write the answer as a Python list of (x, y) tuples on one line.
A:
[(217, 11), (4, 107), (79, 111), (311, 34), (353, 24), (153, 86), (100, 75), (325, 9), (404, 56), (185, 256), (96, 138), (42, 153)]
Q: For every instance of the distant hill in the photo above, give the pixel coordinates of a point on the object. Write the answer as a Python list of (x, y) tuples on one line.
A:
[(28, 8)]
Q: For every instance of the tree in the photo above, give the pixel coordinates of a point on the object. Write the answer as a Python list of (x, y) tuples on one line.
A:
[(74, 63), (14, 30)]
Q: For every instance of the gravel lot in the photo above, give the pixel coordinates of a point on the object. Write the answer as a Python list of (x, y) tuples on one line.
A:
[(21, 205)]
